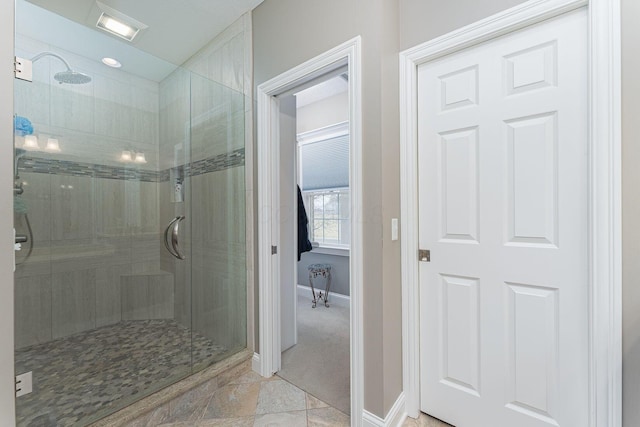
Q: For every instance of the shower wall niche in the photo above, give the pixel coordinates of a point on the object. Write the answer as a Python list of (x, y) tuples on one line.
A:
[(105, 315)]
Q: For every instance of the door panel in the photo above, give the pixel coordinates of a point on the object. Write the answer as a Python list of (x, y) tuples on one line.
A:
[(502, 154), (460, 333)]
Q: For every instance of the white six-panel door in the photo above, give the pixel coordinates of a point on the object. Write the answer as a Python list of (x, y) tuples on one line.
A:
[(502, 143)]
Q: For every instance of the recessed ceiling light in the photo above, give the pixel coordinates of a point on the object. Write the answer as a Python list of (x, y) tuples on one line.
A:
[(111, 62), (117, 27)]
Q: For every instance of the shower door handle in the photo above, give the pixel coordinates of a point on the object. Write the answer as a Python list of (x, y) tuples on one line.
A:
[(174, 229)]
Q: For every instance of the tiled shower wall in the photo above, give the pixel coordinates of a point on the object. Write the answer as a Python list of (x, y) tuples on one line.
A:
[(90, 230), (87, 233), (94, 121)]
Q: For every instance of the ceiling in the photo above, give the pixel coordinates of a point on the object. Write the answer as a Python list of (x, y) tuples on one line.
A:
[(322, 90), (177, 29)]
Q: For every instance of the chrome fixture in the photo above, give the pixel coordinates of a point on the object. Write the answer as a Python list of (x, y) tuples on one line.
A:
[(17, 185), (18, 203), (18, 155), (174, 226), (69, 76)]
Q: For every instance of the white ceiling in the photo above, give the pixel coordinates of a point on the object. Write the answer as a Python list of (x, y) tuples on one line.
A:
[(322, 90), (177, 29)]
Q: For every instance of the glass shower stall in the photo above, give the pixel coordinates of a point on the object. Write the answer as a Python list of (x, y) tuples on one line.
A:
[(129, 207)]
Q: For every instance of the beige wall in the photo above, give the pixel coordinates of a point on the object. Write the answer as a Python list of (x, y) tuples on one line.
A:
[(386, 28), (312, 28), (325, 112), (630, 213), (7, 390), (422, 20)]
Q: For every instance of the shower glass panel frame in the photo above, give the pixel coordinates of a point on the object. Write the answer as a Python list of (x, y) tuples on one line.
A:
[(105, 314)]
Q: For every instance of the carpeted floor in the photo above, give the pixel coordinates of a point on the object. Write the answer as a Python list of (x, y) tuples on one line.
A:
[(319, 363)]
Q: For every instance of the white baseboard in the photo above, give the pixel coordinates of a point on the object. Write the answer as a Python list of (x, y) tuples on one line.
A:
[(255, 363), (337, 299), (394, 418)]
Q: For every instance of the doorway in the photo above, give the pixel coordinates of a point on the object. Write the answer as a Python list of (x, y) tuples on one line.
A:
[(314, 217), (272, 250)]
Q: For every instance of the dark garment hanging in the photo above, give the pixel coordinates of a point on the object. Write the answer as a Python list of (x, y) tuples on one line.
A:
[(304, 245)]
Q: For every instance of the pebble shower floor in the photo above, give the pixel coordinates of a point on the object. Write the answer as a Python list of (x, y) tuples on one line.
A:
[(79, 378)]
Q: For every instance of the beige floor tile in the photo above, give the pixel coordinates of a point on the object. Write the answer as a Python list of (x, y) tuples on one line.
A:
[(220, 422), (314, 403), (154, 418), (233, 400), (282, 419), (233, 373), (191, 405), (251, 377), (280, 396), (327, 417), (424, 421)]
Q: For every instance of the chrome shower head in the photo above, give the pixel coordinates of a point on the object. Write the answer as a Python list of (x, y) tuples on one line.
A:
[(72, 77), (69, 76)]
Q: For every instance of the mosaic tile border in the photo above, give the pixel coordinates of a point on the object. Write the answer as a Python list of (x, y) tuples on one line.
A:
[(217, 163)]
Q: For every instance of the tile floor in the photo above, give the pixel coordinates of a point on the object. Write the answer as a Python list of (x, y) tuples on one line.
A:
[(424, 421), (93, 373), (251, 400)]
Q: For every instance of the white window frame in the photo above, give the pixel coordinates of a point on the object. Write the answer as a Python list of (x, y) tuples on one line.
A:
[(308, 196), (316, 135)]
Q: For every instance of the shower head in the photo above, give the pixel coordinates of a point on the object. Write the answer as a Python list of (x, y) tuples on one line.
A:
[(69, 76), (72, 77)]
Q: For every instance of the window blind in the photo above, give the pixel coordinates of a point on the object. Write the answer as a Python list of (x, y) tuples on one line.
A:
[(325, 164)]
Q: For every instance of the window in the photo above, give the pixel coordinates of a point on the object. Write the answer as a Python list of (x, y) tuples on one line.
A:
[(329, 217), (324, 180)]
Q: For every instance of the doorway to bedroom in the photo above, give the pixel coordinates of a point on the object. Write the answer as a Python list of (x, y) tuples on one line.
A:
[(315, 239)]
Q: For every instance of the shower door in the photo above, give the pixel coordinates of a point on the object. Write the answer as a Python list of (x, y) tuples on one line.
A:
[(130, 202)]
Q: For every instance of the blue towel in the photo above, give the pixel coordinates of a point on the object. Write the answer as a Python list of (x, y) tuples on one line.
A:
[(22, 126)]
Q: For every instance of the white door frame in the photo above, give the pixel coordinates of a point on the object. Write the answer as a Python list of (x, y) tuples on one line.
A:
[(269, 360), (605, 249)]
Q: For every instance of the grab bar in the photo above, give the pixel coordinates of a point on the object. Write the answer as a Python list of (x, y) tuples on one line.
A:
[(174, 226)]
